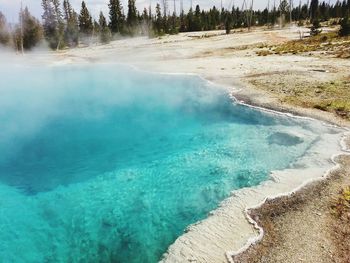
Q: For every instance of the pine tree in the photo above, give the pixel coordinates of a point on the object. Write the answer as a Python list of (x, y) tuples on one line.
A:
[(67, 10), (105, 33), (165, 20), (324, 12), (284, 7), (314, 10), (315, 29), (345, 27), (150, 16), (50, 24), (48, 21), (197, 19), (227, 22), (116, 17), (29, 32), (60, 23), (145, 16), (183, 27), (85, 21), (158, 24), (97, 29), (4, 33), (337, 9), (344, 8), (304, 12), (145, 22), (71, 35), (274, 16), (131, 19), (204, 20), (264, 17), (221, 17), (162, 22), (214, 17), (173, 24), (190, 20)]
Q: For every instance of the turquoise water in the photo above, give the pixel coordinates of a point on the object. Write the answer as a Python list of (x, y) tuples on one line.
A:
[(108, 164)]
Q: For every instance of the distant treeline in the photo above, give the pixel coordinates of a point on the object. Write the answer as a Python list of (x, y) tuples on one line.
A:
[(61, 26)]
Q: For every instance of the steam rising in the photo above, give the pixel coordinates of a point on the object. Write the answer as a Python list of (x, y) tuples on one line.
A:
[(101, 163), (28, 103)]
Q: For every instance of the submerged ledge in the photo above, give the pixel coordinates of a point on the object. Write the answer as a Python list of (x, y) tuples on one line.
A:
[(229, 230)]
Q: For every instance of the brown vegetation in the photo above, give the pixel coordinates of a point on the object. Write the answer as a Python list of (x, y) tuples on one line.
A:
[(341, 224), (329, 43), (326, 95)]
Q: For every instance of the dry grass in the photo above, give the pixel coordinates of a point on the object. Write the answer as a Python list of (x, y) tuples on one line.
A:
[(329, 43), (341, 224), (264, 53), (341, 206), (333, 96), (330, 96)]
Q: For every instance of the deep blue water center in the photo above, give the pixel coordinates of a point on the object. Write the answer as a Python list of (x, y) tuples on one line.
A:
[(107, 164)]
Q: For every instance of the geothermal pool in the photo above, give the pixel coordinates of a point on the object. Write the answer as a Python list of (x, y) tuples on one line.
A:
[(109, 164)]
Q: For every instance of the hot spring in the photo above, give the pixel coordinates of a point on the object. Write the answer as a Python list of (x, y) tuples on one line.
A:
[(104, 163)]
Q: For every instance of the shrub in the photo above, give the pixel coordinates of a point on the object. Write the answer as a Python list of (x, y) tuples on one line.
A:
[(4, 33), (31, 33), (344, 27), (300, 23), (315, 29), (342, 205)]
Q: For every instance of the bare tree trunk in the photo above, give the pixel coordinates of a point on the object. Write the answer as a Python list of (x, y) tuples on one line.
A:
[(251, 14), (281, 22), (274, 13), (268, 13), (58, 45), (21, 40), (290, 11), (244, 11), (165, 7), (301, 34)]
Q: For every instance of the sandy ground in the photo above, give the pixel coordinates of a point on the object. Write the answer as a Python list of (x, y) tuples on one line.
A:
[(232, 61), (303, 227)]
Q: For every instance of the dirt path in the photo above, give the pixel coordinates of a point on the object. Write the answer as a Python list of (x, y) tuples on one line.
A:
[(304, 228)]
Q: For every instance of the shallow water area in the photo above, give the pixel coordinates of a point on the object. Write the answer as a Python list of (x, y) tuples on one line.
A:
[(102, 163)]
